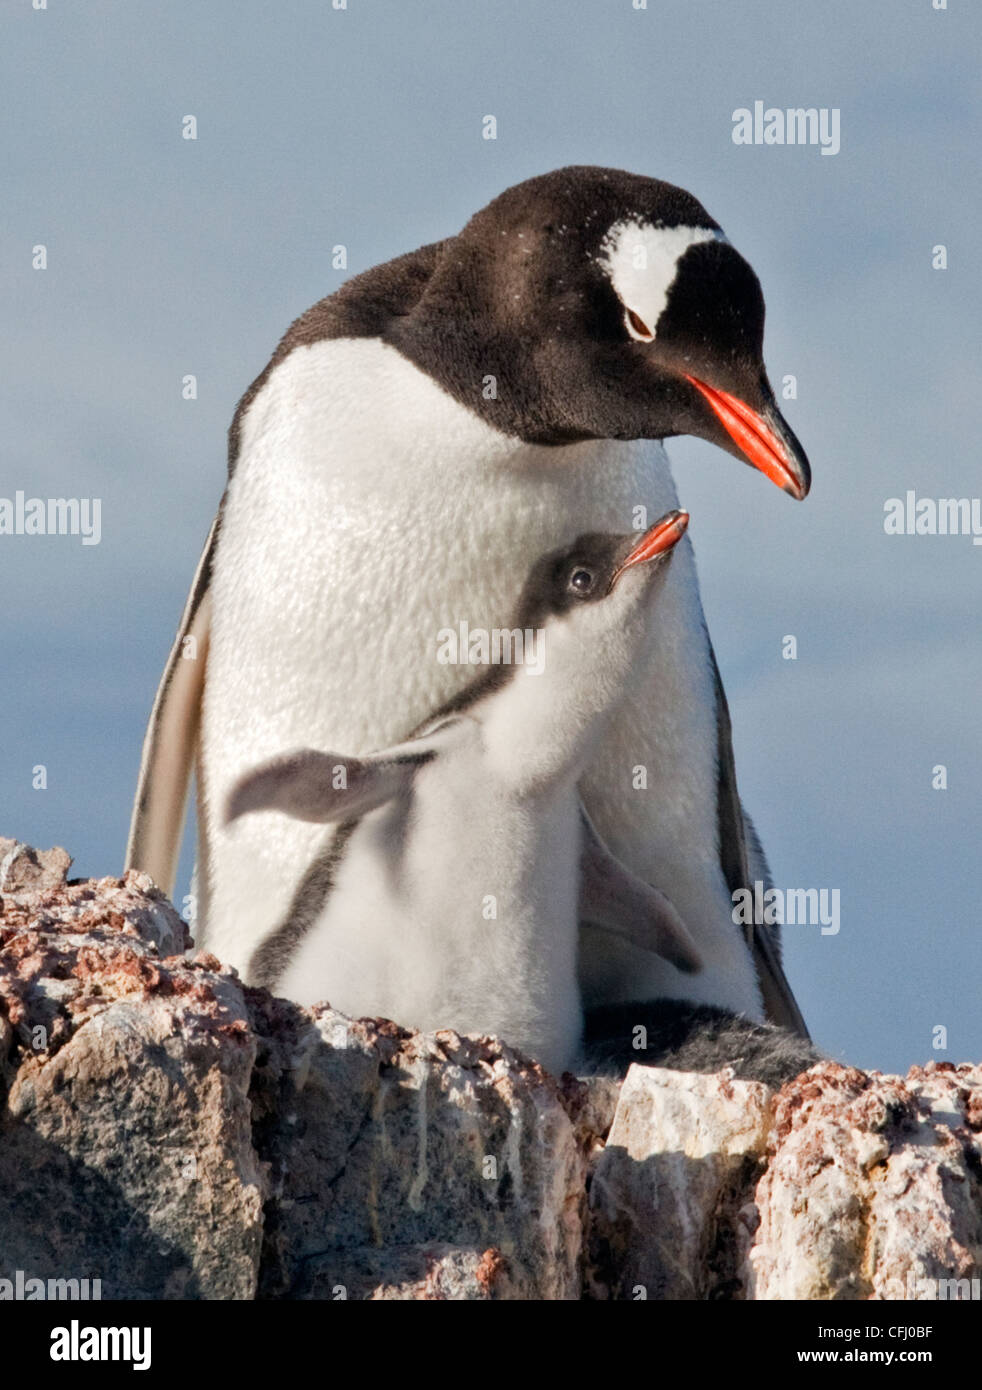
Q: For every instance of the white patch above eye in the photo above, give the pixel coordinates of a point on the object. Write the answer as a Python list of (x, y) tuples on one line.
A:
[(642, 262)]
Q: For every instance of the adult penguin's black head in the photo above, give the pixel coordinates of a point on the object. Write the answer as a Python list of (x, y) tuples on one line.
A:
[(592, 303)]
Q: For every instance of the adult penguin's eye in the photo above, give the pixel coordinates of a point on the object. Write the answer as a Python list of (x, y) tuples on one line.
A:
[(581, 581), (637, 328)]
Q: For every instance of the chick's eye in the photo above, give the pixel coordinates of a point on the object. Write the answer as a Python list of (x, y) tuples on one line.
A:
[(581, 580)]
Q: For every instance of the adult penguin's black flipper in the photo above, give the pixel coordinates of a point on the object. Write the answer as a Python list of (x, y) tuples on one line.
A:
[(780, 1005), (172, 732)]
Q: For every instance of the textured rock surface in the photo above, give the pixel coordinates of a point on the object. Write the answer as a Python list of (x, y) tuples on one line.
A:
[(873, 1189), (26, 872), (405, 1165), (126, 1127), (174, 1134), (682, 1152)]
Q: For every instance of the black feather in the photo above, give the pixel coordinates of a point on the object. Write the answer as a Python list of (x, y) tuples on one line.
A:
[(684, 1036)]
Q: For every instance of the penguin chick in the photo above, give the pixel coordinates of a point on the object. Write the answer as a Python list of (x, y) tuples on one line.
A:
[(684, 1036), (451, 897)]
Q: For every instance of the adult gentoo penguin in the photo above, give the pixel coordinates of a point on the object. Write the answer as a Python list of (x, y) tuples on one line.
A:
[(415, 442)]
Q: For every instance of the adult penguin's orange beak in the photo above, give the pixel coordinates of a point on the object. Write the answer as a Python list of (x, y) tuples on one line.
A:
[(763, 438)]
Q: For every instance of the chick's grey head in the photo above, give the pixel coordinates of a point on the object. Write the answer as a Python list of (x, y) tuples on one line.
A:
[(589, 605), (592, 602)]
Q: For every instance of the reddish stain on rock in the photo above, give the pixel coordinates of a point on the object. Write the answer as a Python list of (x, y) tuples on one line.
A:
[(490, 1269)]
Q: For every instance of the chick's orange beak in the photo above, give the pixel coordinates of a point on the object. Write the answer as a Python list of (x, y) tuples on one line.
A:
[(657, 540)]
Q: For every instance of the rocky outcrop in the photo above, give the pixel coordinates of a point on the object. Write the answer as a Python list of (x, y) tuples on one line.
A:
[(872, 1187), (174, 1134)]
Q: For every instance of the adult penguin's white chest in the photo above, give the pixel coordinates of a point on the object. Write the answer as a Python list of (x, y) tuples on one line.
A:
[(369, 513)]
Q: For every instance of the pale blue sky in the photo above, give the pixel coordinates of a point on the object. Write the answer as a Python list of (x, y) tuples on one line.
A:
[(363, 126)]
